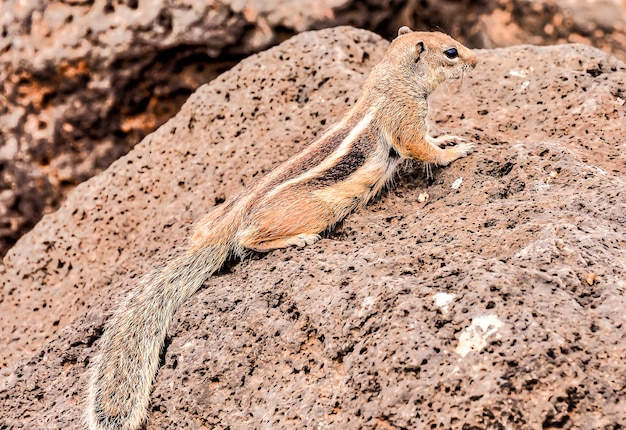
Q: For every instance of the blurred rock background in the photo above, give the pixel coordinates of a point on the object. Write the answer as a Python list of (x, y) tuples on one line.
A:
[(82, 81)]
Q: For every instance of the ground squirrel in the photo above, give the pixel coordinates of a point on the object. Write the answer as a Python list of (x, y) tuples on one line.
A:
[(308, 194)]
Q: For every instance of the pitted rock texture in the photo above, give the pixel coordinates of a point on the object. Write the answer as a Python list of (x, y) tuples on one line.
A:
[(82, 81), (496, 301), (500, 23)]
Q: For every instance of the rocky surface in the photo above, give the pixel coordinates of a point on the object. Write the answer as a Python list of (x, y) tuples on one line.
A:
[(492, 300), (500, 23), (81, 82)]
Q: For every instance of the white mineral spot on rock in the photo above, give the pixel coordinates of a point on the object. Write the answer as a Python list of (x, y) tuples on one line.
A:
[(457, 184), (367, 306), (474, 337), (520, 73), (443, 300)]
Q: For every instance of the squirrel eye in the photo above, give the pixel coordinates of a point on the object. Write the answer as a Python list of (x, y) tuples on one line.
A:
[(451, 53)]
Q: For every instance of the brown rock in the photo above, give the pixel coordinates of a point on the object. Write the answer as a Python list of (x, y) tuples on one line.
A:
[(469, 308), (500, 23), (81, 81)]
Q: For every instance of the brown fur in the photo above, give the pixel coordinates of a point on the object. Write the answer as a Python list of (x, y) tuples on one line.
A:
[(308, 194)]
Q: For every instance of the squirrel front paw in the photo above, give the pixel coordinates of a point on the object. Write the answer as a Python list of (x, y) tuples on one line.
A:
[(452, 153)]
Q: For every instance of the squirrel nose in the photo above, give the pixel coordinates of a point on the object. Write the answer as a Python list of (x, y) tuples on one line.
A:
[(472, 60)]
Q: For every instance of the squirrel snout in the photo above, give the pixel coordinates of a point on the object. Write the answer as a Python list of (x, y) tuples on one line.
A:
[(472, 59), (473, 62)]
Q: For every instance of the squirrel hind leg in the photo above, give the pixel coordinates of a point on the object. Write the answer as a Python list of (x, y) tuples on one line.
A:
[(299, 240), (444, 156), (293, 217)]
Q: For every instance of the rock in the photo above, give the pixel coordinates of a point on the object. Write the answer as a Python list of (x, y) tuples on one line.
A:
[(500, 23), (83, 81), (471, 308)]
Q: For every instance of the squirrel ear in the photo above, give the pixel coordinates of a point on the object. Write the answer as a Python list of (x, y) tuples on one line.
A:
[(404, 30), (420, 47)]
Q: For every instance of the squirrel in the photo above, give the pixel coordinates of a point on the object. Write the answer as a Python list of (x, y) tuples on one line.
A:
[(349, 164)]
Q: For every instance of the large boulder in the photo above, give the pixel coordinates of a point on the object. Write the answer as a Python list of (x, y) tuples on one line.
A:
[(490, 296), (83, 81)]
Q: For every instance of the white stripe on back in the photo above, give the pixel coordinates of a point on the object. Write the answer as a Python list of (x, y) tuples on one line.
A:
[(332, 159)]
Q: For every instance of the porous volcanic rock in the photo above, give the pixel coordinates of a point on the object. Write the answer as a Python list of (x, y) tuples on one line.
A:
[(82, 81), (490, 296), (500, 23)]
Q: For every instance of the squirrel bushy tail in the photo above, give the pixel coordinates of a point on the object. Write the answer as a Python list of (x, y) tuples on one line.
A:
[(130, 348)]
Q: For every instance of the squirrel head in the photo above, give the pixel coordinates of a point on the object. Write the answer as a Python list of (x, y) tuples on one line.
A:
[(433, 56)]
